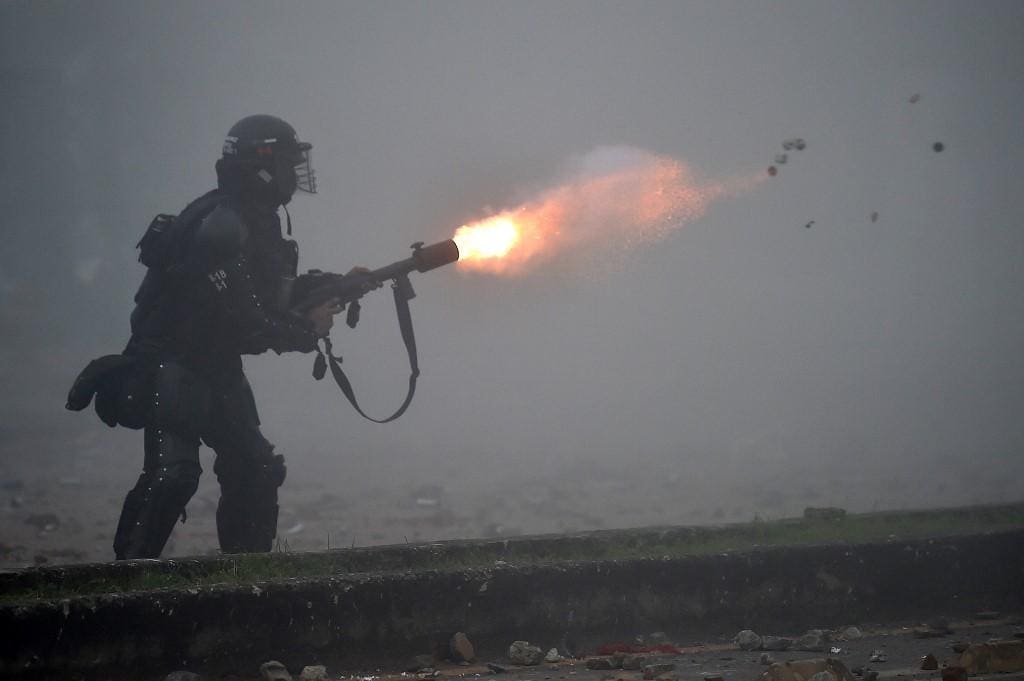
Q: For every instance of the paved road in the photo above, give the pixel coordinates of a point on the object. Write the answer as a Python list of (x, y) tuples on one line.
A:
[(903, 650)]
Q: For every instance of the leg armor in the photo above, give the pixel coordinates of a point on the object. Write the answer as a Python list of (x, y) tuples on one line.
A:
[(171, 470), (248, 471)]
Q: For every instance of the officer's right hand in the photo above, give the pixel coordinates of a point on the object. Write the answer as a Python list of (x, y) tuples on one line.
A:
[(322, 316)]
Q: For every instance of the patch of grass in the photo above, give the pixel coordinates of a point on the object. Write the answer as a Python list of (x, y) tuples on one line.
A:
[(603, 545)]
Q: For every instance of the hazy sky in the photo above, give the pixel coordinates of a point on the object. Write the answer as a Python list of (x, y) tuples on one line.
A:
[(742, 338)]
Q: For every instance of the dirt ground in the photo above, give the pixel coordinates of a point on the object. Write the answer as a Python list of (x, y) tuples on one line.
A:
[(700, 660), (60, 500)]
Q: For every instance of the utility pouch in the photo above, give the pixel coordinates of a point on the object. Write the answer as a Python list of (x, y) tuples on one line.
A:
[(156, 245), (122, 385)]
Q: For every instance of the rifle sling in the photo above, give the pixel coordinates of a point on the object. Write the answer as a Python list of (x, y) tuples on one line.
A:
[(408, 337)]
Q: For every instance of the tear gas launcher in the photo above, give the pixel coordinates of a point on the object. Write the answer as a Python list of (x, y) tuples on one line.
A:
[(316, 288)]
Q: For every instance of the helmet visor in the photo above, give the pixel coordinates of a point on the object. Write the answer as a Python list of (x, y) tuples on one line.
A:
[(305, 176)]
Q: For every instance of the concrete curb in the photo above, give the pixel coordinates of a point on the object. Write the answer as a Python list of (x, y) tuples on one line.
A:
[(374, 618)]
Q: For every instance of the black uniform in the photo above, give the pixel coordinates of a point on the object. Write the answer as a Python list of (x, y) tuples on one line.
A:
[(222, 289)]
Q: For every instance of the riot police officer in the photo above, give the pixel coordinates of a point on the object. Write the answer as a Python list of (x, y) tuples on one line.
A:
[(218, 286)]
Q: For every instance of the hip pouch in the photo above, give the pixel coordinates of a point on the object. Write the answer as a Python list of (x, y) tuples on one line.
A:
[(123, 387)]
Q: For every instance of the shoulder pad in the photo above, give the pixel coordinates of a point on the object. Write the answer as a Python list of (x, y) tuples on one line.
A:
[(223, 232)]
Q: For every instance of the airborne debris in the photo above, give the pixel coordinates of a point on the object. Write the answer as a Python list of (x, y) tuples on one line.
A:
[(797, 143), (938, 147), (781, 158), (808, 225), (874, 216), (773, 171), (914, 98)]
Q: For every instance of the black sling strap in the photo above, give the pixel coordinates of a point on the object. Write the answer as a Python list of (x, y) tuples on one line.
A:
[(408, 337)]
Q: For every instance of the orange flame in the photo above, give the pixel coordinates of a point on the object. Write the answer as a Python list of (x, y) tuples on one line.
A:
[(617, 196)]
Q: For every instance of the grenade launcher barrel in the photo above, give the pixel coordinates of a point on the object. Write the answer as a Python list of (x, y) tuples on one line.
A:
[(316, 288)]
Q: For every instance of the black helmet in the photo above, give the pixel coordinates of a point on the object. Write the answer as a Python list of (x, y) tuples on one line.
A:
[(263, 156)]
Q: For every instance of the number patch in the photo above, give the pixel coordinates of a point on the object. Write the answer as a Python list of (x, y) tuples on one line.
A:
[(219, 279)]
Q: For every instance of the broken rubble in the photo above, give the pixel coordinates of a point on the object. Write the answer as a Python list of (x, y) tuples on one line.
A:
[(990, 658), (878, 656), (552, 656), (805, 670), (850, 634), (460, 648), (748, 640), (600, 663), (272, 670), (522, 653), (633, 662), (776, 643), (654, 670), (929, 663), (813, 641), (313, 672)]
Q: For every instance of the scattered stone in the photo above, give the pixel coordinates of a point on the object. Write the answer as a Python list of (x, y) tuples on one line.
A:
[(313, 672), (878, 656), (776, 643), (991, 658), (183, 676), (633, 662), (954, 674), (813, 641), (600, 663), (747, 640), (850, 634), (497, 668), (766, 659), (824, 513), (801, 670), (273, 670), (522, 653), (653, 670), (460, 648), (987, 615), (552, 656), (929, 663)]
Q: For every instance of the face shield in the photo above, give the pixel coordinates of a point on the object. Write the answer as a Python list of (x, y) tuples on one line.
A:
[(305, 176)]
